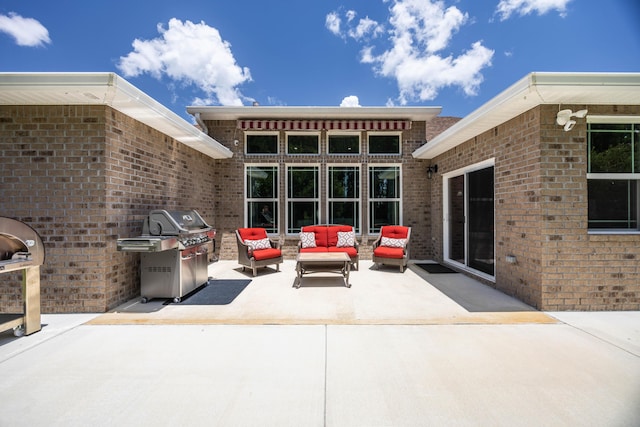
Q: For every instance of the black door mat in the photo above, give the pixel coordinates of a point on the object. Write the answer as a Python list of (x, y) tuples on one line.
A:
[(435, 268), (216, 292)]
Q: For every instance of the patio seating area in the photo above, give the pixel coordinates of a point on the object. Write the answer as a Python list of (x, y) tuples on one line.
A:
[(377, 296)]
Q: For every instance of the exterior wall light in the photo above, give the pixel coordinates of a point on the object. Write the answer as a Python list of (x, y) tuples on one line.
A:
[(431, 170), (564, 118)]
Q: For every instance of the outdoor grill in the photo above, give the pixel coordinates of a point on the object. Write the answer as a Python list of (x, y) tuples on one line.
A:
[(21, 249), (174, 253)]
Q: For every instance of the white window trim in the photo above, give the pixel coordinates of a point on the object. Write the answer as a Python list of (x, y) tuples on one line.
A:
[(286, 192), (445, 218), (305, 133), (595, 119), (613, 119), (358, 199), (257, 132), (367, 226), (375, 133), (344, 133), (249, 199)]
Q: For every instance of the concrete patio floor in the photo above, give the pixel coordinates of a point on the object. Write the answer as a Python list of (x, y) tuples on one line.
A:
[(376, 296), (395, 349)]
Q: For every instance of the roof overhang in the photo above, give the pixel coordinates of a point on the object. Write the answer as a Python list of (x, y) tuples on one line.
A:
[(533, 90), (314, 113), (105, 89)]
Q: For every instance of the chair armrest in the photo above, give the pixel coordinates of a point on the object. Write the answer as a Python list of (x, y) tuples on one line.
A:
[(276, 244)]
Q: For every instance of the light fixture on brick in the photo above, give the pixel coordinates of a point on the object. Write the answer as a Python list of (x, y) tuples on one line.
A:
[(431, 170), (564, 118)]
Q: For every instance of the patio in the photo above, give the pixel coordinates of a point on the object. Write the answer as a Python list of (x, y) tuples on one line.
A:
[(395, 349), (377, 297)]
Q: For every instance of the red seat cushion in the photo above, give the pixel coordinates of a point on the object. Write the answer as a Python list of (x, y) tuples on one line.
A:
[(351, 251), (394, 231), (261, 254), (252, 233), (316, 249), (387, 252)]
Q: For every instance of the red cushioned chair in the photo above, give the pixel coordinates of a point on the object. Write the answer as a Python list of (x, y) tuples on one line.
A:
[(392, 246), (255, 249)]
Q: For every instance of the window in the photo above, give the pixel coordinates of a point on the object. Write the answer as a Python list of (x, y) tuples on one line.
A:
[(261, 143), (613, 173), (384, 143), (302, 143), (343, 143), (303, 197), (344, 195), (384, 197), (262, 197)]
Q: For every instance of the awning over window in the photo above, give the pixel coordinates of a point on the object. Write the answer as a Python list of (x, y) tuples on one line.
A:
[(355, 125)]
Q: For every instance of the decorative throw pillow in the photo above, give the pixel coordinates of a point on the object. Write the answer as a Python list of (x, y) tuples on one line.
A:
[(258, 244), (393, 243), (346, 239), (307, 239)]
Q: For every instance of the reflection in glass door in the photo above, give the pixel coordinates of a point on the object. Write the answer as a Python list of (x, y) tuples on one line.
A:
[(470, 215), (456, 219)]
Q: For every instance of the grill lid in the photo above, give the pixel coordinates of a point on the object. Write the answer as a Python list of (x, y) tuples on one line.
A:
[(174, 223)]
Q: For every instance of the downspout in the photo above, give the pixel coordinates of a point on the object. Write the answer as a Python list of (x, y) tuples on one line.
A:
[(200, 123)]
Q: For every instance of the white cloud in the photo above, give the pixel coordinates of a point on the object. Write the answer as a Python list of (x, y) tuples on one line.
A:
[(364, 28), (419, 30), (25, 31), (350, 101), (524, 7), (332, 22), (426, 22), (192, 54)]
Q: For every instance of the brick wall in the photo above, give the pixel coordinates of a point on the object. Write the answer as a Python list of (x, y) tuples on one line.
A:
[(580, 271), (82, 176), (230, 176), (541, 216)]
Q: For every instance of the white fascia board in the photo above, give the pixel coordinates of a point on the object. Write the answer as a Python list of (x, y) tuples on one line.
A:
[(105, 89), (533, 90), (311, 112)]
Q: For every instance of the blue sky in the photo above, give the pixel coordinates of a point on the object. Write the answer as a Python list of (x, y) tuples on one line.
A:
[(456, 54)]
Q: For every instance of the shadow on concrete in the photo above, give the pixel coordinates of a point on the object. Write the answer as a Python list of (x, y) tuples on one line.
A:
[(471, 294)]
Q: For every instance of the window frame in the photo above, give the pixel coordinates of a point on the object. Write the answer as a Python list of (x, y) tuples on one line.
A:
[(394, 133), (371, 229), (357, 199), (335, 133), (289, 229), (275, 199), (247, 134), (302, 133), (634, 175)]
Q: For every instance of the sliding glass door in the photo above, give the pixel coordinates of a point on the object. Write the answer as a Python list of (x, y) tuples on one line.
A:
[(469, 218)]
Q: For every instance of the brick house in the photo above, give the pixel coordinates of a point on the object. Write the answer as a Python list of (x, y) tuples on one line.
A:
[(505, 195)]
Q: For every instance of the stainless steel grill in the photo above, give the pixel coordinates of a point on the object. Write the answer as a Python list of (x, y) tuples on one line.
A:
[(21, 249), (174, 253)]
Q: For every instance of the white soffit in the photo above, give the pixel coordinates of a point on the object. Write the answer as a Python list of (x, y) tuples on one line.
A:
[(536, 89), (105, 89)]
